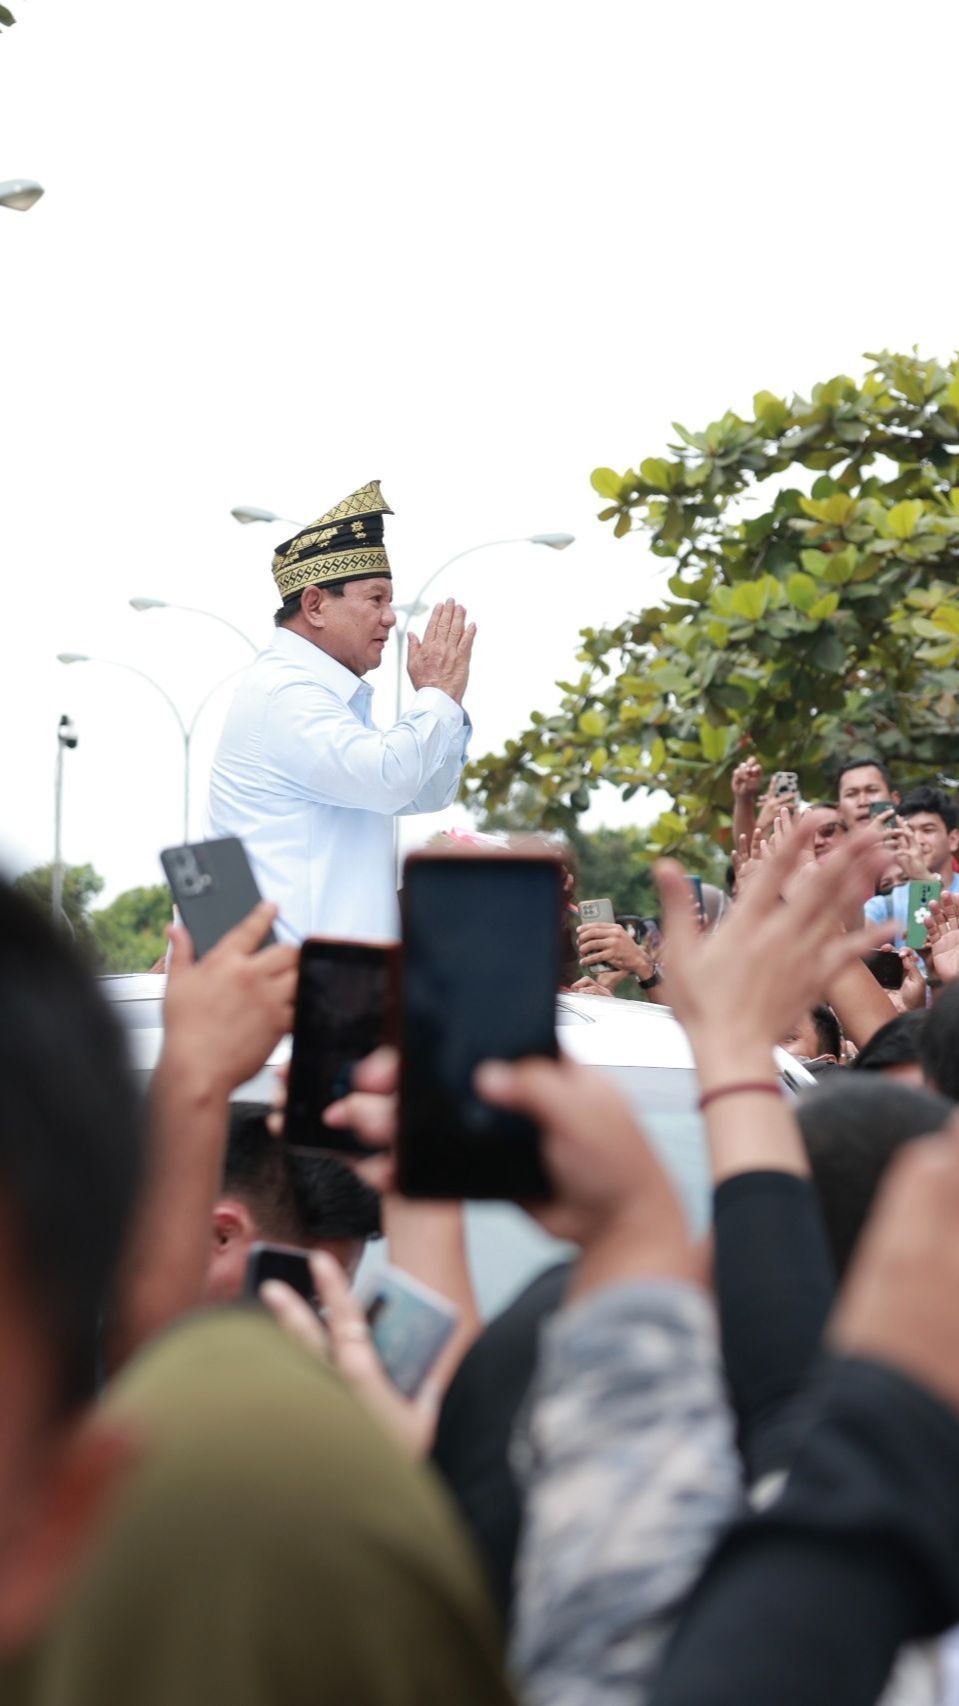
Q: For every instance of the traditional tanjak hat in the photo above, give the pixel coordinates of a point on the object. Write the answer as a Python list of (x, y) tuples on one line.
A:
[(346, 544)]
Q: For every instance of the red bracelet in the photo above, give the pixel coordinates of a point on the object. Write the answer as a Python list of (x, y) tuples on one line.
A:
[(759, 1086)]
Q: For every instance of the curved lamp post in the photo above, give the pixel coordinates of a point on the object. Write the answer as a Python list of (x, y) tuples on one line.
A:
[(194, 610), (19, 194), (186, 729)]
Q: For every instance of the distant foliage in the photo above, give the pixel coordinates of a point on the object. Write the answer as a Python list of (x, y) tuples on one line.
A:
[(825, 626), (128, 935)]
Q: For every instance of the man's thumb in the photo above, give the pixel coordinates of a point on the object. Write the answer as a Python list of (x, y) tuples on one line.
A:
[(181, 955)]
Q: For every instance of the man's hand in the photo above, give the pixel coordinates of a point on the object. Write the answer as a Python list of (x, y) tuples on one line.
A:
[(770, 808), (748, 779), (942, 936), (613, 1196), (224, 1015), (612, 945), (903, 844), (911, 998), (896, 1303), (442, 658)]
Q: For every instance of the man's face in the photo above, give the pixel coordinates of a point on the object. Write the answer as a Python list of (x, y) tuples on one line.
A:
[(829, 827), (802, 1039), (858, 789), (235, 1231), (356, 627), (936, 843)]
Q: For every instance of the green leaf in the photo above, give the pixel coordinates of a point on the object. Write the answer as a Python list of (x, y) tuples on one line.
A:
[(6, 17), (659, 473), (802, 591), (623, 525), (606, 482), (952, 393), (715, 742), (598, 760), (903, 519), (771, 410), (815, 562), (842, 566), (657, 754), (823, 607), (750, 599), (592, 723), (829, 653)]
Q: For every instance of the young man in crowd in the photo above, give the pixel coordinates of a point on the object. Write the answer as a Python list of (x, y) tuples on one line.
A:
[(271, 1196), (861, 783), (931, 820)]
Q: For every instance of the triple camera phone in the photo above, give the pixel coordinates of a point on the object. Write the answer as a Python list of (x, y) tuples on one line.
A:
[(214, 889)]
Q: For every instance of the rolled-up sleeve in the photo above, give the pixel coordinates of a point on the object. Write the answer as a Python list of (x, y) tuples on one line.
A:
[(318, 744)]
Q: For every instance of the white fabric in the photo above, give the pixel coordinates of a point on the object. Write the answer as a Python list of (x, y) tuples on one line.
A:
[(311, 787)]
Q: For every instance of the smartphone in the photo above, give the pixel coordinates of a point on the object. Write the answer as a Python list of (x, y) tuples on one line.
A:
[(482, 940), (696, 884), (784, 782), (409, 1325), (214, 888), (877, 807), (597, 912), (281, 1262), (346, 1006), (917, 900), (887, 969), (635, 926)]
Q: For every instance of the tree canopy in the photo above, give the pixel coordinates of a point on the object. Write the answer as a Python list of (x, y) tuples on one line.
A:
[(128, 935), (822, 626)]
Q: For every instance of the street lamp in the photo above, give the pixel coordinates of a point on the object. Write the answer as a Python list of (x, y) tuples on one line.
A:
[(67, 739), (555, 541), (168, 604), (186, 730), (19, 194), (245, 513)]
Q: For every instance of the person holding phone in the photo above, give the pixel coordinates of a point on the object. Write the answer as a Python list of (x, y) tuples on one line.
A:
[(302, 775), (933, 825)]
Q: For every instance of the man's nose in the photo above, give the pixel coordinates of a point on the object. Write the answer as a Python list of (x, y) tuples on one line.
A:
[(390, 617)]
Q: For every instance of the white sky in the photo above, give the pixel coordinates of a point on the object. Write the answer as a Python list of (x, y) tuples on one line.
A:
[(471, 252)]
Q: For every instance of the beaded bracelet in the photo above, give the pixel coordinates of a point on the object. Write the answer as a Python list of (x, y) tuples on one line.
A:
[(759, 1086)]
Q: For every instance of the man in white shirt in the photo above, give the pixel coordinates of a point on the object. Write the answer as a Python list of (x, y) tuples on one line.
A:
[(301, 774)]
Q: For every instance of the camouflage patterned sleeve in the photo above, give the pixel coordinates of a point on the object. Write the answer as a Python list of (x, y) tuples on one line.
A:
[(630, 1473)]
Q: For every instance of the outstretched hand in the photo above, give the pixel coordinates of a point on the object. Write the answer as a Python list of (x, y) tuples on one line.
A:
[(942, 936)]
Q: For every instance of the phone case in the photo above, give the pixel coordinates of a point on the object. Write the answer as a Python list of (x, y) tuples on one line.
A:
[(917, 900), (409, 1325), (214, 888)]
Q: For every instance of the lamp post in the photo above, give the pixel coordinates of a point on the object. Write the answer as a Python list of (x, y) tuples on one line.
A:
[(19, 194), (67, 738), (555, 542), (186, 730), (194, 610)]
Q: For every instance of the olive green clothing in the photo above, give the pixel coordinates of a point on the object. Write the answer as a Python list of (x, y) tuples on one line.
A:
[(272, 1548)]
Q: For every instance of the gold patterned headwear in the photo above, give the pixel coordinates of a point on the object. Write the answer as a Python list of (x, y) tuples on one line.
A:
[(346, 544)]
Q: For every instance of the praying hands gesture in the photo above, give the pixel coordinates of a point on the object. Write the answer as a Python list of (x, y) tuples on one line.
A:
[(442, 657)]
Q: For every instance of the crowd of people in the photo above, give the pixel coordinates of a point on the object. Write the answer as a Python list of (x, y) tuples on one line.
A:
[(674, 1470)]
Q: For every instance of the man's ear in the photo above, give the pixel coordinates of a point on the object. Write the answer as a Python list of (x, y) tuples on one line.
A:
[(312, 605), (57, 1522), (895, 795), (232, 1220), (953, 840)]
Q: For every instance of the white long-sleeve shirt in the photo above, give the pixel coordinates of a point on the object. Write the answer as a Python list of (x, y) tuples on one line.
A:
[(311, 787)]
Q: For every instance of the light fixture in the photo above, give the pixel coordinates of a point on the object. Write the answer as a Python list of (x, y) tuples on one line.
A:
[(555, 541), (20, 194)]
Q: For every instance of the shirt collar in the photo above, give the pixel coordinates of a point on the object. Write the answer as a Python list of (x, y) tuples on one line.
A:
[(332, 674)]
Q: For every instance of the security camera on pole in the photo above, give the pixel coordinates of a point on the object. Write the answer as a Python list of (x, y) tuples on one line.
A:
[(67, 737)]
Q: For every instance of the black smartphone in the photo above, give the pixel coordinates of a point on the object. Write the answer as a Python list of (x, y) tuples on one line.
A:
[(281, 1262), (214, 888), (636, 926), (346, 1003), (480, 971), (887, 969), (878, 807)]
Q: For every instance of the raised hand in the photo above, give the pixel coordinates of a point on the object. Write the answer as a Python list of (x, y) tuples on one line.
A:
[(442, 658), (612, 945), (747, 778), (224, 1014), (942, 936)]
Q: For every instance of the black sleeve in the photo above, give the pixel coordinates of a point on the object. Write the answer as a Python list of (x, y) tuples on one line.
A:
[(812, 1600), (774, 1289)]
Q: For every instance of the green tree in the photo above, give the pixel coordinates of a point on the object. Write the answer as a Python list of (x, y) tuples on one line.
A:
[(81, 885), (130, 933), (823, 626)]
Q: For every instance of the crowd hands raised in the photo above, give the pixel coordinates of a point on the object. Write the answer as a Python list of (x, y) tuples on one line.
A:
[(684, 1471)]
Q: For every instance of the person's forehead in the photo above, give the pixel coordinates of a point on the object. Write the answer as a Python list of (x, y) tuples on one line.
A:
[(864, 776), (925, 820), (371, 588)]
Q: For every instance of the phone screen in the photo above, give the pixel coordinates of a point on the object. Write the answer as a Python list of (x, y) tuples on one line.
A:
[(345, 1008), (481, 940), (281, 1262)]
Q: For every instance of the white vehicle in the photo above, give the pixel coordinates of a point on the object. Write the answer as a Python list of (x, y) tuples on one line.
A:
[(639, 1045)]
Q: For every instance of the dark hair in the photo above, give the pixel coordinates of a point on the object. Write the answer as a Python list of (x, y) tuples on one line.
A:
[(894, 1044), (939, 1044), (297, 1199), (867, 763), (828, 1030), (291, 606), (852, 1128), (69, 1137), (926, 799)]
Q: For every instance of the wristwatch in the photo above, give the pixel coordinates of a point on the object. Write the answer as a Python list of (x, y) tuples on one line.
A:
[(650, 982)]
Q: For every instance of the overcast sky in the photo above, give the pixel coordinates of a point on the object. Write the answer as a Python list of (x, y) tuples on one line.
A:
[(470, 252)]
